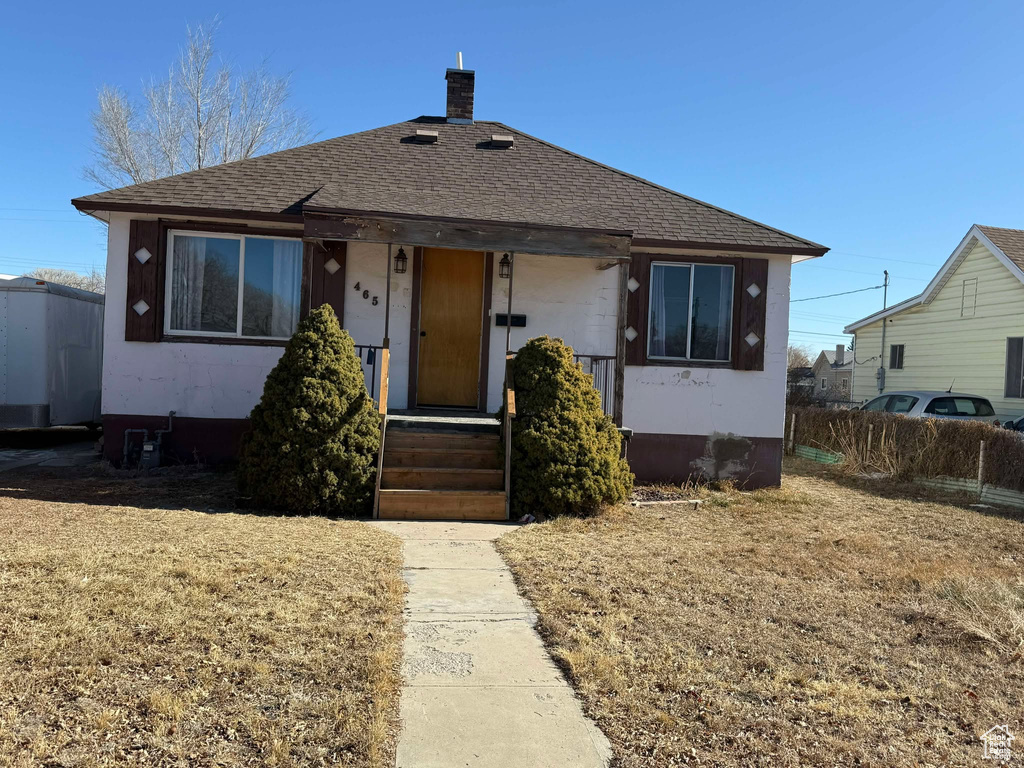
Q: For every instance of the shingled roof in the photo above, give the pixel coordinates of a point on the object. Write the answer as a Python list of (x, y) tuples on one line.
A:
[(1009, 241), (460, 176)]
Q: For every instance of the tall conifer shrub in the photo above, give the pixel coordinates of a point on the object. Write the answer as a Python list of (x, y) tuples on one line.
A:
[(565, 449), (315, 432)]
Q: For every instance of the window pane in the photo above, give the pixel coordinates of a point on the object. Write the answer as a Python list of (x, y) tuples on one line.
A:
[(270, 296), (204, 284), (670, 305), (942, 406), (901, 404), (712, 312), (878, 404)]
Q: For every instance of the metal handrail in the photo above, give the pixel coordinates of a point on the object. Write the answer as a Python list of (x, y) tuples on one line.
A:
[(369, 355), (602, 370)]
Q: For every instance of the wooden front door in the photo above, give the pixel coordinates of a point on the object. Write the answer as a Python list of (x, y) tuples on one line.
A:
[(451, 307)]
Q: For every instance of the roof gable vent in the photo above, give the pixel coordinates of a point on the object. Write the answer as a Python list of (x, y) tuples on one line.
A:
[(425, 137), (502, 140)]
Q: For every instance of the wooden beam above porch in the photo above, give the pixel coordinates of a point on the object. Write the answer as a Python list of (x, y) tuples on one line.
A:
[(469, 235)]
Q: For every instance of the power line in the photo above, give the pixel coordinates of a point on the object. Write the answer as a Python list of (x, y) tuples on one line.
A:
[(844, 293), (884, 258), (862, 272), (816, 333)]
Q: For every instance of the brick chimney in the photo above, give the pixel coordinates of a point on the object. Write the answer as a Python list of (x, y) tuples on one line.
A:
[(840, 354), (460, 95)]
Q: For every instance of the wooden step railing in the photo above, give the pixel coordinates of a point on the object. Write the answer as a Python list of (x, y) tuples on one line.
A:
[(506, 430), (382, 410)]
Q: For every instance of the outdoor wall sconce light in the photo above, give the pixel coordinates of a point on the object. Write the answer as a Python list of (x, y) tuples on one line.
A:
[(505, 267), (401, 260)]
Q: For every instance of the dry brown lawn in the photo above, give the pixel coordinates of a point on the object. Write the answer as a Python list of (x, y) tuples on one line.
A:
[(832, 622), (140, 626)]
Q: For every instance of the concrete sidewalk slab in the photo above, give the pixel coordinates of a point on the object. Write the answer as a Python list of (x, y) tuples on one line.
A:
[(443, 530), (497, 727), (466, 591), (473, 553), (480, 688), (460, 650)]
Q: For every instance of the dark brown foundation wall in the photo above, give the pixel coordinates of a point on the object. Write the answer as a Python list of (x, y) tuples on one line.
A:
[(750, 462), (209, 441)]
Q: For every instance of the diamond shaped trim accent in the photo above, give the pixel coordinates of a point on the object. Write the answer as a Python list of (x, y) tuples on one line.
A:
[(143, 255), (140, 307), (632, 284), (332, 266), (631, 333), (754, 290), (752, 339)]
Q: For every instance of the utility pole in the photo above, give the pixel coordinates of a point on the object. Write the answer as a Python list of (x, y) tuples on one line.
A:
[(880, 373)]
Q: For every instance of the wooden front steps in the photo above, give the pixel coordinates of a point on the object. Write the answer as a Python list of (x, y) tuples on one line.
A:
[(438, 470)]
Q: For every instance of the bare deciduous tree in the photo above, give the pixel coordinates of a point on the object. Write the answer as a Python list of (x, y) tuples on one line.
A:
[(203, 114), (797, 357), (93, 280)]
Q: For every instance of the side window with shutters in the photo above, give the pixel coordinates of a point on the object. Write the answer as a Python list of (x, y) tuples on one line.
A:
[(698, 312), (1015, 367)]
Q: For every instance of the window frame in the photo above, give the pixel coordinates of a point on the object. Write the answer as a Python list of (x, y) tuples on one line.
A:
[(1017, 390), (824, 383), (690, 262), (172, 334), (897, 354)]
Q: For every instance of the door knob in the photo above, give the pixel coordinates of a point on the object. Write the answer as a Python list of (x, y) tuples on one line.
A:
[(423, 333)]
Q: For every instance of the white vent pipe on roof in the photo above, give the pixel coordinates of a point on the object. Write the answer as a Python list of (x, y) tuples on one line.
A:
[(458, 60)]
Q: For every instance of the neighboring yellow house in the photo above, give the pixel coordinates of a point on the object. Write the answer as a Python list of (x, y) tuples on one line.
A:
[(965, 330)]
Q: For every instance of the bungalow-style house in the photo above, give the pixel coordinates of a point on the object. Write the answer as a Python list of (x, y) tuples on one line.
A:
[(832, 372), (443, 244), (965, 329)]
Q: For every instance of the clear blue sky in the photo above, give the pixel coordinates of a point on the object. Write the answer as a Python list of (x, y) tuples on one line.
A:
[(882, 130)]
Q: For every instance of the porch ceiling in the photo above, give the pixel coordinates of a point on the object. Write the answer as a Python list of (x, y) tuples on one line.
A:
[(466, 234)]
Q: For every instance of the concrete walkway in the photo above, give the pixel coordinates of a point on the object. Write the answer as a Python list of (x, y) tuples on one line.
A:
[(480, 689)]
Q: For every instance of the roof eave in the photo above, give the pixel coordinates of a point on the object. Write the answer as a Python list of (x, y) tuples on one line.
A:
[(913, 301), (92, 206), (795, 250)]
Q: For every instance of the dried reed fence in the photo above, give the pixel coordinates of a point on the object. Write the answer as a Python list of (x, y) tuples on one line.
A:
[(912, 448)]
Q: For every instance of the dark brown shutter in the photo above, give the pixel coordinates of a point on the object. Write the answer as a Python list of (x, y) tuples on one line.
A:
[(753, 295), (1015, 367), (144, 313), (636, 303), (323, 285)]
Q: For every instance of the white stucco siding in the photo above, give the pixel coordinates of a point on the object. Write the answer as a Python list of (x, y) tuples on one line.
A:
[(196, 380), (561, 296), (704, 401), (569, 298), (367, 266)]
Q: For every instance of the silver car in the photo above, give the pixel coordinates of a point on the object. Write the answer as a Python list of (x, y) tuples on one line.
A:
[(934, 405)]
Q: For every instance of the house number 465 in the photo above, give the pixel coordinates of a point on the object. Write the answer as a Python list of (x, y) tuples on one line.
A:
[(366, 295)]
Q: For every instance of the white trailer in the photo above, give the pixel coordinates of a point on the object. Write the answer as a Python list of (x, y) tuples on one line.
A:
[(51, 354)]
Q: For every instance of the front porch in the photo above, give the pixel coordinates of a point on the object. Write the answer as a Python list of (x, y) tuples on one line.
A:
[(450, 318)]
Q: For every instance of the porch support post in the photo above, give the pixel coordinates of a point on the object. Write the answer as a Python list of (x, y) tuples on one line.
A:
[(387, 303), (620, 344), (508, 311)]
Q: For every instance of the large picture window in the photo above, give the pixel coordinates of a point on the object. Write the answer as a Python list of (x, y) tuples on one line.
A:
[(232, 285), (690, 312)]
